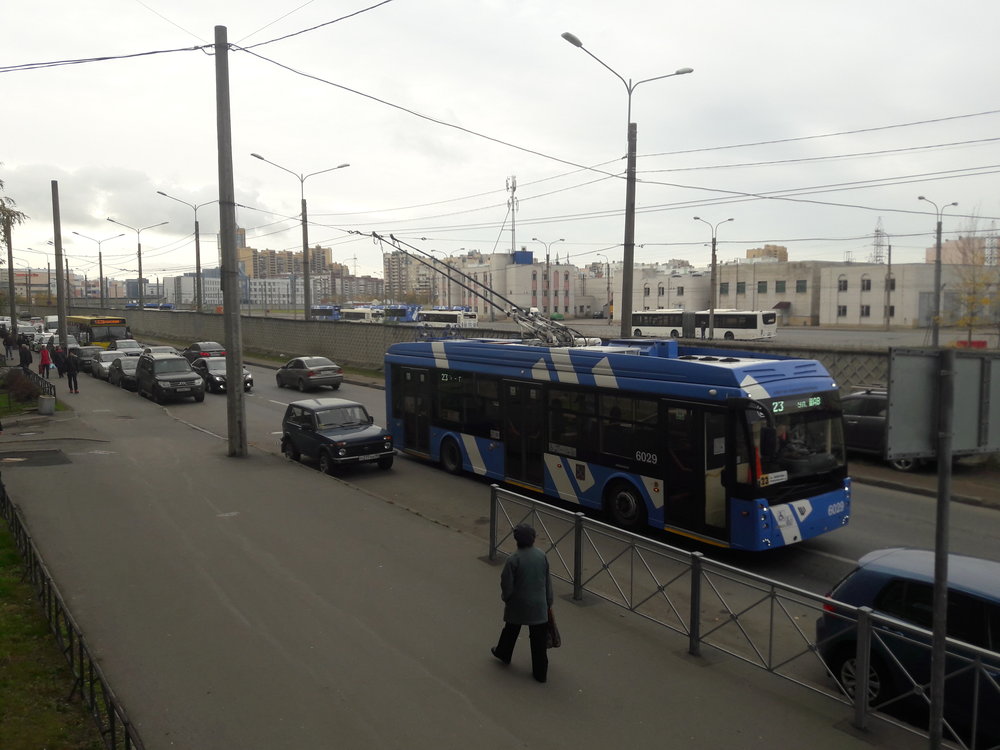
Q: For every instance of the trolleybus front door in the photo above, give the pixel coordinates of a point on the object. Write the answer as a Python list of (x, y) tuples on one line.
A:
[(523, 440), (695, 497)]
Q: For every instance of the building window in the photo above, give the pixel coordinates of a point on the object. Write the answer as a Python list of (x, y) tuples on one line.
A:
[(779, 287), (724, 289), (659, 290), (841, 311), (741, 288), (892, 311), (841, 284), (534, 275), (645, 291), (761, 287), (680, 291), (801, 286), (866, 284), (866, 311), (890, 283)]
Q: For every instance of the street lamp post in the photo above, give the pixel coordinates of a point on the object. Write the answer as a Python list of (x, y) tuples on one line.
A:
[(197, 246), (138, 244), (713, 281), (548, 273), (936, 322), (628, 257), (100, 259), (307, 290)]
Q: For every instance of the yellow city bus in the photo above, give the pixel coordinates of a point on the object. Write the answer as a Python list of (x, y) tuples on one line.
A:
[(96, 330)]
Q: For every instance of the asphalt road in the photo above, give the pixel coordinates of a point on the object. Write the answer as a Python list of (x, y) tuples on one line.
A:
[(255, 603)]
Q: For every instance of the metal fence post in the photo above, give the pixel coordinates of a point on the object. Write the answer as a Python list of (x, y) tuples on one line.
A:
[(863, 660), (578, 557), (494, 489), (694, 626)]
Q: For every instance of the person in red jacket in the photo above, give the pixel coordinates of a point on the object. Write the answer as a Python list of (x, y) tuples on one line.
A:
[(44, 360)]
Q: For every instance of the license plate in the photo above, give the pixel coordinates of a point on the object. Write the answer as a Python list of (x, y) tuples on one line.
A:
[(368, 458), (182, 390)]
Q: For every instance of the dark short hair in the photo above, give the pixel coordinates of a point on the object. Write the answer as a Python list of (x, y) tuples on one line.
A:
[(524, 535)]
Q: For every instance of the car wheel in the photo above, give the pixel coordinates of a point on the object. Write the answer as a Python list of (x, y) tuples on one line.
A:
[(905, 464), (289, 449), (385, 463), (278, 381), (845, 670), (626, 507), (199, 398), (729, 336), (335, 386), (674, 334), (302, 385), (451, 456), (157, 395), (325, 463), (637, 332)]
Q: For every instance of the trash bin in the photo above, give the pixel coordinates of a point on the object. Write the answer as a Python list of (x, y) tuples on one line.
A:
[(47, 405)]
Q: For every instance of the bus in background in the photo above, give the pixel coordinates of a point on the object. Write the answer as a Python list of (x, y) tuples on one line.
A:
[(453, 318), (730, 325), (734, 449), (400, 313), (97, 331), (325, 312), (361, 315)]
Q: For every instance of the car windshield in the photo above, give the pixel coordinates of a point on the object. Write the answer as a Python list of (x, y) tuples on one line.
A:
[(108, 356), (173, 365), (342, 416), (128, 344), (317, 362), (128, 363), (216, 366)]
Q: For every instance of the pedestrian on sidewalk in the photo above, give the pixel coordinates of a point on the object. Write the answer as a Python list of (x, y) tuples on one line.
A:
[(44, 360), (25, 358), (526, 590), (72, 369), (59, 360)]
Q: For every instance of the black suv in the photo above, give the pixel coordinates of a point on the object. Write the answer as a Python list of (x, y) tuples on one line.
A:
[(865, 426), (334, 432), (167, 376)]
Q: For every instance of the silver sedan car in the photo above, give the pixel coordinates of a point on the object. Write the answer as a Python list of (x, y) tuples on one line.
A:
[(100, 363), (309, 373)]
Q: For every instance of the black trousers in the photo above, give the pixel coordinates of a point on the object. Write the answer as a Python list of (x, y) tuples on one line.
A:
[(71, 381), (536, 635)]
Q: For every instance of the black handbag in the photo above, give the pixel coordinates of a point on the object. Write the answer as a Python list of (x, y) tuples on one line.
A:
[(552, 637)]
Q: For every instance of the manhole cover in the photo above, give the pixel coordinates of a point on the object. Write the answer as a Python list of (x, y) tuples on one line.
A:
[(34, 458)]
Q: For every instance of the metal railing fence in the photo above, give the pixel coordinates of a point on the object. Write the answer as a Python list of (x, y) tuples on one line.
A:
[(45, 386), (765, 623), (89, 681)]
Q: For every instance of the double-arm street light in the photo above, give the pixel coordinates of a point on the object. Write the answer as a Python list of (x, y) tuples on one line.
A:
[(548, 274), (138, 249), (197, 245), (714, 275), (936, 322), (628, 257), (307, 290), (100, 260)]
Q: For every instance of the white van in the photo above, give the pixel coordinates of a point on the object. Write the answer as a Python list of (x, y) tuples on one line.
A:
[(51, 322)]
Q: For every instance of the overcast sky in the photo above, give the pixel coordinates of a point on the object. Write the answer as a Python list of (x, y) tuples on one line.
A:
[(806, 122)]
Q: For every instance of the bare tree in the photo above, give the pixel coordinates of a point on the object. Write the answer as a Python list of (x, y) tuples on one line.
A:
[(978, 281), (10, 217)]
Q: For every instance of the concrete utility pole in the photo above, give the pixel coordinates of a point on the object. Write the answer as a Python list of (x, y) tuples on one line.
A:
[(60, 294), (936, 322), (236, 409)]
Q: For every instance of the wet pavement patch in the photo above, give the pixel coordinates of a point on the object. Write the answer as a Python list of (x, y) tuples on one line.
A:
[(33, 458)]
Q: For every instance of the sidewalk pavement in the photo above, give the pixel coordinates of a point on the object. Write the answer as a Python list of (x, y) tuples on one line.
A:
[(260, 604)]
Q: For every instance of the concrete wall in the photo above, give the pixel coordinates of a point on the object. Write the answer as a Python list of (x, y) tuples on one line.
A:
[(363, 346)]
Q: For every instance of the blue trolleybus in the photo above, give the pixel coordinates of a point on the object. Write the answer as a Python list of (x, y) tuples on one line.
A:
[(735, 449)]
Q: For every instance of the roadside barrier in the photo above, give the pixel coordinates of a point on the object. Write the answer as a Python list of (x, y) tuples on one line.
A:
[(765, 623), (89, 681)]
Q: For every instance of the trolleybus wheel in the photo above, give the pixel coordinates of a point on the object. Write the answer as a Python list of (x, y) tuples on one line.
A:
[(626, 506), (451, 456)]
